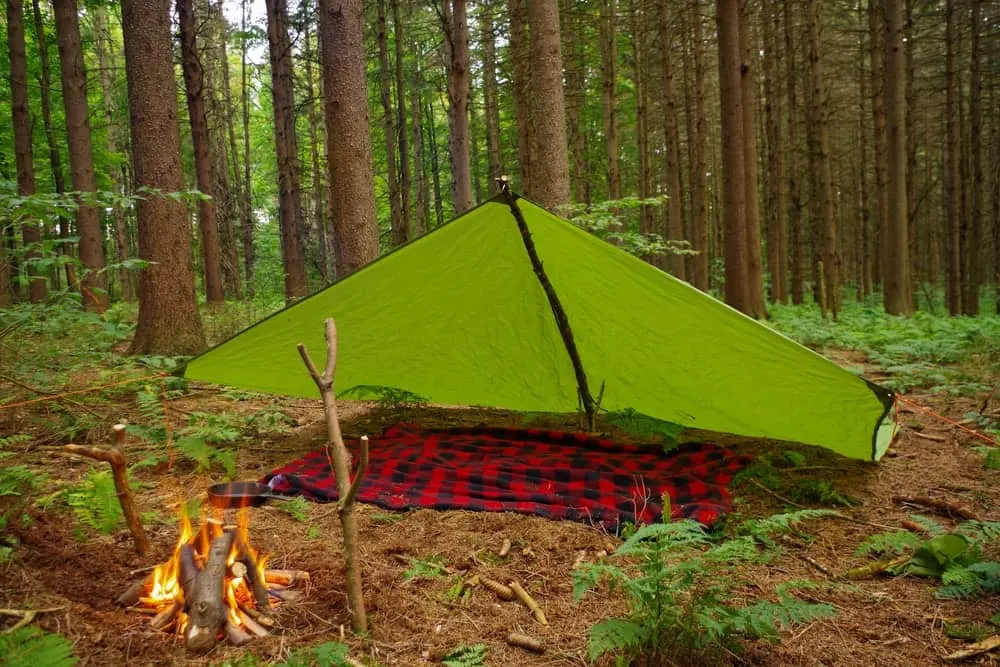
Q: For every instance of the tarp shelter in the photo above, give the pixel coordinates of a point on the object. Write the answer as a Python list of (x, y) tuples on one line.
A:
[(458, 316)]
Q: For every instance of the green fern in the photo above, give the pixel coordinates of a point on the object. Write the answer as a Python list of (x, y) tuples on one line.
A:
[(430, 567), (297, 508), (18, 480), (991, 456), (898, 542), (970, 581), (31, 647), (932, 527), (327, 654), (95, 502), (980, 532), (466, 656), (764, 619), (616, 635), (15, 439), (780, 524), (390, 398)]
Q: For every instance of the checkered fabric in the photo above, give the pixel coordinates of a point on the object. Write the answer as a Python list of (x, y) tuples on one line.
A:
[(555, 474)]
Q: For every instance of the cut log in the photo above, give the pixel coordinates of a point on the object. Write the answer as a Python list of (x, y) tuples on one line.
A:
[(500, 590), (286, 595), (252, 626), (526, 642), (236, 635), (165, 617), (285, 577), (133, 593), (207, 607), (253, 579)]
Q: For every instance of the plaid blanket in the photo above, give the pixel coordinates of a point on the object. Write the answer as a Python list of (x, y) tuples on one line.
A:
[(554, 474)]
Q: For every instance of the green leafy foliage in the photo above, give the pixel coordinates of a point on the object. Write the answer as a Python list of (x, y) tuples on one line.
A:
[(297, 508), (991, 456), (466, 656), (970, 581), (388, 398), (328, 654), (681, 587), (643, 426), (430, 567), (95, 502), (898, 542), (31, 647)]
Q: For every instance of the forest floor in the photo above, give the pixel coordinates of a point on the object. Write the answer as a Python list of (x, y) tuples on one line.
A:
[(880, 620)]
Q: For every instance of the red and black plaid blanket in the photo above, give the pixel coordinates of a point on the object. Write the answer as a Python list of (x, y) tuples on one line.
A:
[(553, 474)]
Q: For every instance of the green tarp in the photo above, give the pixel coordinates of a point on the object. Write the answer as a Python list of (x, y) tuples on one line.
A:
[(458, 316)]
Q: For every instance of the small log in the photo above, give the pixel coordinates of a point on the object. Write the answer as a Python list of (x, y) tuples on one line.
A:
[(133, 593), (872, 569), (928, 436), (188, 571), (285, 595), (528, 602), (119, 470), (526, 642), (253, 579), (942, 505), (286, 577), (500, 590), (166, 616), (972, 650), (250, 625), (207, 608), (238, 570), (913, 527), (505, 548), (260, 617), (236, 635)]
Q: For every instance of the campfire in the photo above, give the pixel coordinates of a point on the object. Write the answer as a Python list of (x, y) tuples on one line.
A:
[(215, 584)]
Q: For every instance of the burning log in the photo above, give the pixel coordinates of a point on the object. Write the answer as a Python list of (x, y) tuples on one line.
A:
[(208, 610), (164, 618), (235, 634)]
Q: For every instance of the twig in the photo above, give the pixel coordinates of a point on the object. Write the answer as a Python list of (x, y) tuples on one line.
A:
[(26, 615), (359, 475), (528, 602), (775, 495), (985, 646), (943, 505), (501, 591), (55, 397), (928, 436)]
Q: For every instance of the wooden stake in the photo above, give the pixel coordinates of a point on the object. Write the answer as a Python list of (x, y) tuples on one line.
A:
[(340, 460), (119, 470), (528, 602)]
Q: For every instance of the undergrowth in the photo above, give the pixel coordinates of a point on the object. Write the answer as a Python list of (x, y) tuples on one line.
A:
[(31, 647)]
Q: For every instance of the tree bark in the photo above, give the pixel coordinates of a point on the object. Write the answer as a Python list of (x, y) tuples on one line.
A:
[(866, 272), (456, 42), (405, 180), (195, 89), (286, 145), (399, 233), (748, 88), (733, 174), (169, 323), (421, 205), (521, 86), (319, 219), (794, 190), (549, 182), (247, 204), (674, 223), (81, 154), (575, 102), (881, 148), (696, 115), (975, 239), (609, 94), (641, 93), (349, 157), (954, 160), (897, 296), (31, 231), (775, 176)]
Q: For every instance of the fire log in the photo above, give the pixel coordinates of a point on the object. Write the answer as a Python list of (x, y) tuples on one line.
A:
[(285, 577), (207, 608), (236, 635), (164, 618), (253, 578), (134, 592)]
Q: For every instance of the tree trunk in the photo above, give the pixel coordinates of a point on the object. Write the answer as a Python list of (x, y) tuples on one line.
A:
[(912, 200), (866, 273), (81, 155), (169, 323), (881, 149), (456, 41), (898, 297), (953, 186), (794, 192), (286, 145), (825, 220), (674, 224), (696, 147), (401, 132), (775, 176), (194, 87), (432, 143), (349, 165), (733, 174), (748, 87), (318, 186), (639, 65), (609, 94), (422, 208), (575, 102), (522, 86), (399, 233), (31, 230), (975, 239), (247, 204), (549, 182)]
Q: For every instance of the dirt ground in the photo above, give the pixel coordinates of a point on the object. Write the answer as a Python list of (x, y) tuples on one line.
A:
[(885, 621)]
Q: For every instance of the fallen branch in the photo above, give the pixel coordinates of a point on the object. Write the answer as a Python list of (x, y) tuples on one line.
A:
[(26, 616), (116, 457), (286, 577), (872, 569), (928, 436), (528, 602), (775, 495), (236, 635), (942, 505), (985, 646), (913, 527), (166, 616), (526, 642), (501, 591), (133, 593)]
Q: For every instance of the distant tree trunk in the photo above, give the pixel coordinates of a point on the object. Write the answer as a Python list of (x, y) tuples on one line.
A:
[(522, 86), (975, 239), (399, 233), (6, 294), (775, 176), (169, 323), (575, 99), (898, 297), (549, 176), (609, 94), (194, 87), (81, 155), (881, 148), (421, 206), (748, 85), (733, 174), (349, 165), (954, 161), (432, 143), (643, 179), (696, 115), (405, 181), (286, 144), (825, 220), (31, 230), (318, 186), (796, 240), (456, 30), (912, 200), (866, 273), (106, 60), (247, 204), (672, 149)]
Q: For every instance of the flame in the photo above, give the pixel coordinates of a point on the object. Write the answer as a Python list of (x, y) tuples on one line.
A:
[(166, 587)]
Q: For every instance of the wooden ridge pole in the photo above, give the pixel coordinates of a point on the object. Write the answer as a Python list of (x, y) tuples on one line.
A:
[(562, 321)]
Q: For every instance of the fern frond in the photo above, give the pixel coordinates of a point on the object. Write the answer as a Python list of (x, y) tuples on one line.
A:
[(15, 439), (970, 581), (18, 480), (674, 535), (765, 619), (30, 647), (466, 656), (932, 527), (780, 524), (981, 532), (737, 550), (95, 502), (616, 635), (898, 542)]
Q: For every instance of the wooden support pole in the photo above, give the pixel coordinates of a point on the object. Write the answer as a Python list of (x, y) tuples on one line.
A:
[(119, 470)]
